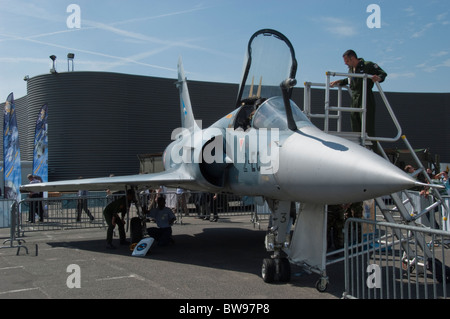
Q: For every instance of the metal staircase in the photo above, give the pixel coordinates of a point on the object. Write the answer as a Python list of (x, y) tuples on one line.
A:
[(402, 210)]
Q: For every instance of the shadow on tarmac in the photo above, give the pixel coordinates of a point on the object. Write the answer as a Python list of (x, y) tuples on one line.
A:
[(226, 248)]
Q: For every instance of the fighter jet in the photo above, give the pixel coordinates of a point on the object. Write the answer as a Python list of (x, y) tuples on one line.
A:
[(265, 148)]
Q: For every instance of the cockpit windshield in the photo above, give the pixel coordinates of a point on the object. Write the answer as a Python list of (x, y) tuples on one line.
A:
[(272, 114), (270, 61)]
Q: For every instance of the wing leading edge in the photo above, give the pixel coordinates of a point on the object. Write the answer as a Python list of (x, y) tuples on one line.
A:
[(172, 178)]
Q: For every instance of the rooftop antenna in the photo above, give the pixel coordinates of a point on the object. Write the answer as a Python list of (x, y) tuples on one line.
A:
[(53, 69), (70, 57)]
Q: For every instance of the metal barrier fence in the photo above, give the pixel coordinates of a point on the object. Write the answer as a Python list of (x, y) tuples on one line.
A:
[(207, 205), (71, 212), (5, 212), (62, 212), (387, 261)]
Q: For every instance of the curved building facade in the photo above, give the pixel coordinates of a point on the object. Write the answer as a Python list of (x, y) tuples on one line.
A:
[(98, 123)]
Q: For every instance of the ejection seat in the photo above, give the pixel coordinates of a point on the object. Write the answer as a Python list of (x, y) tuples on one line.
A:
[(243, 118)]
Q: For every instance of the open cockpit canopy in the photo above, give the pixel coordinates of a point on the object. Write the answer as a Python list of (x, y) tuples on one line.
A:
[(270, 61)]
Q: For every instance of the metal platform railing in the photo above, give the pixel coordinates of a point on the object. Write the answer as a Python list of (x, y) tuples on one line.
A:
[(335, 113), (399, 213), (328, 114)]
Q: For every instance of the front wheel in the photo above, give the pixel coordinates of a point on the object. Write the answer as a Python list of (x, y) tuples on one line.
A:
[(268, 270)]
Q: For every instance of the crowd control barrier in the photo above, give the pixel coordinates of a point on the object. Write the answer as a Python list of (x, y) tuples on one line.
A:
[(68, 211), (387, 261)]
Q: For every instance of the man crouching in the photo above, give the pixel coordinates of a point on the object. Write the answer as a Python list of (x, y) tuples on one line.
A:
[(164, 218)]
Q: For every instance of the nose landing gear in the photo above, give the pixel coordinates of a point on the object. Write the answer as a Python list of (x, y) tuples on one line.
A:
[(276, 269)]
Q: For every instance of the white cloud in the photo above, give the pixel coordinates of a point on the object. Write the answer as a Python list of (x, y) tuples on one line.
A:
[(442, 16), (339, 27), (410, 11), (439, 54), (421, 33), (446, 63), (401, 75), (10, 60), (137, 58), (429, 68), (89, 25)]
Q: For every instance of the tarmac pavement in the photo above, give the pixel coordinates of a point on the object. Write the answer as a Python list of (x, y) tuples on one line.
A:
[(220, 260)]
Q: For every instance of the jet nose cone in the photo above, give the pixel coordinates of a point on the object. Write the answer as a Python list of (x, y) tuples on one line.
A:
[(378, 176), (336, 171)]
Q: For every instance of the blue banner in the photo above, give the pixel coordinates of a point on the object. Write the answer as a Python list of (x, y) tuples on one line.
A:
[(40, 153), (11, 152)]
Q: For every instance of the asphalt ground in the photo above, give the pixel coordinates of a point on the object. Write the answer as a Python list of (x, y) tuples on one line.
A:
[(215, 261)]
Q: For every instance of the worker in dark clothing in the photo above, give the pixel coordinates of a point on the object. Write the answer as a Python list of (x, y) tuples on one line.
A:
[(111, 214), (358, 65)]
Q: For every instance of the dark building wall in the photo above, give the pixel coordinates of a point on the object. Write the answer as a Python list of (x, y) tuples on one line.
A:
[(99, 122), (424, 119)]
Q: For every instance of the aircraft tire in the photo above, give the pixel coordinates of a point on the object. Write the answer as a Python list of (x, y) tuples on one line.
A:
[(268, 270)]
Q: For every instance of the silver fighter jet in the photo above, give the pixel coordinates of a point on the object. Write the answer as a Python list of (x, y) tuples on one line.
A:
[(265, 148)]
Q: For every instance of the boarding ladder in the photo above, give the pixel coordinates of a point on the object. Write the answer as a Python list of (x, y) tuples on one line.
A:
[(398, 212)]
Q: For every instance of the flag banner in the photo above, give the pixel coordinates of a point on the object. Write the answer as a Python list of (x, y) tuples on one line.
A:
[(11, 152), (40, 153)]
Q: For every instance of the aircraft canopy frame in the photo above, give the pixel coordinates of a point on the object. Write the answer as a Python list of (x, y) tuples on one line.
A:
[(270, 61), (272, 114)]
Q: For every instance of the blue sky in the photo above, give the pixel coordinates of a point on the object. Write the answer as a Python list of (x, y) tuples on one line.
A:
[(146, 37)]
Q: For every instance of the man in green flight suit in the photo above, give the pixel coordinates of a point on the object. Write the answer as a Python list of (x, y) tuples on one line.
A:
[(111, 214), (360, 66)]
